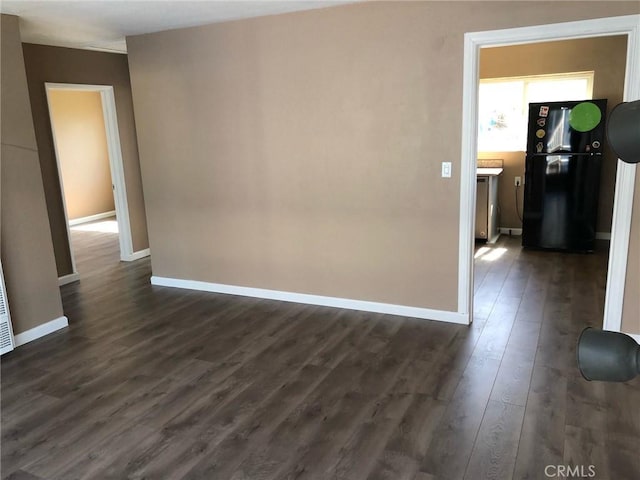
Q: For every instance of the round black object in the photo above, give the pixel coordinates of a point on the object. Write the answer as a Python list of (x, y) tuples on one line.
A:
[(608, 356), (623, 131)]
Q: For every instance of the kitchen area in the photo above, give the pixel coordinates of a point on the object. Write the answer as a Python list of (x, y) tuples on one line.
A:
[(547, 174)]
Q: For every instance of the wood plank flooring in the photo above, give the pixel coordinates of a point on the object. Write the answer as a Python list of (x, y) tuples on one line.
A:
[(158, 383)]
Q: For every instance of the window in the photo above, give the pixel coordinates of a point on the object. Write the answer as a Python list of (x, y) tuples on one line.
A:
[(504, 102)]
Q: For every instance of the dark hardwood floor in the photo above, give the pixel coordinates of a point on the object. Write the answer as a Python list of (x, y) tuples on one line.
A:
[(159, 383)]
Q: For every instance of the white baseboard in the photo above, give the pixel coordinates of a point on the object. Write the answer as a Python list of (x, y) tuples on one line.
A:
[(363, 305), (72, 277), (92, 218), (494, 239), (41, 331), (518, 231), (136, 255), (514, 231)]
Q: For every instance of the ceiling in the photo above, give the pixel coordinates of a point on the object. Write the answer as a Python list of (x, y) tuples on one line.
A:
[(104, 24)]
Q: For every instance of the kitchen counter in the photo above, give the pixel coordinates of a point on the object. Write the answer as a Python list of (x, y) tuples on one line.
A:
[(488, 172)]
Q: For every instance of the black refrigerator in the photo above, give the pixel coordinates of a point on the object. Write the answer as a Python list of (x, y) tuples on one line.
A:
[(565, 141)]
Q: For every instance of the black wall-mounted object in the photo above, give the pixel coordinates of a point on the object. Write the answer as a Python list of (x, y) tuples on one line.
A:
[(608, 356), (623, 131)]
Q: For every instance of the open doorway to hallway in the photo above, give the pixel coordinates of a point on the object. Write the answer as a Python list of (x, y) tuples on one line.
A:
[(91, 173), (81, 145)]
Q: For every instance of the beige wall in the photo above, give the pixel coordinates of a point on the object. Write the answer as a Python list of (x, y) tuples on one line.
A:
[(67, 65), (631, 305), (302, 152), (513, 163), (81, 144), (25, 245), (606, 56)]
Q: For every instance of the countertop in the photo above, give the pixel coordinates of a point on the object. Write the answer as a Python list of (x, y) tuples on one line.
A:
[(488, 172)]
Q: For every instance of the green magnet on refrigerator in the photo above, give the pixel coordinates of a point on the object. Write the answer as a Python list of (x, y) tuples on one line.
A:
[(585, 116)]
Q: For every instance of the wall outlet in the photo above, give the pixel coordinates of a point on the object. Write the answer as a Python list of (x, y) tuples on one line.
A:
[(446, 169), (518, 181)]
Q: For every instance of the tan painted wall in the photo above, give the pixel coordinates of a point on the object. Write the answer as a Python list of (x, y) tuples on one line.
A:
[(81, 144), (25, 245), (513, 163), (68, 65), (302, 152), (631, 305), (606, 56)]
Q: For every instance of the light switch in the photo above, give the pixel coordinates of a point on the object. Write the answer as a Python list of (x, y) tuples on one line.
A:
[(446, 169)]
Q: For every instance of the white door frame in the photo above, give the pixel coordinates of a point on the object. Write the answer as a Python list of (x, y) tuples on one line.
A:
[(625, 179), (115, 163)]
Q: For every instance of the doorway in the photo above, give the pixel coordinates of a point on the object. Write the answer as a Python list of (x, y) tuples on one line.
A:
[(563, 71), (89, 161), (625, 177)]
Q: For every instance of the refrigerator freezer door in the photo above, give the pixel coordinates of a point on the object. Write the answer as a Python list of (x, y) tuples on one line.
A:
[(566, 127)]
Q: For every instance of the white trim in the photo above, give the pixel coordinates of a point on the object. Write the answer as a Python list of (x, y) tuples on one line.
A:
[(115, 162), (65, 279), (623, 200), (366, 306), (603, 236), (518, 232), (41, 330), (635, 336), (619, 247), (117, 171), (468, 177), (136, 255), (625, 25), (514, 231), (97, 49), (91, 218)]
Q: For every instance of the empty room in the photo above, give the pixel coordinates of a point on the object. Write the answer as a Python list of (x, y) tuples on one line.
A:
[(281, 277)]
